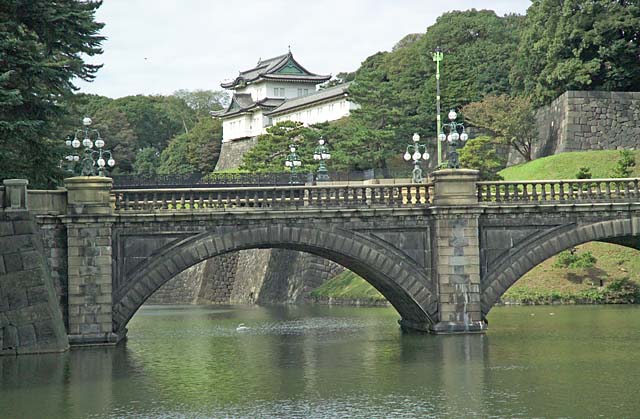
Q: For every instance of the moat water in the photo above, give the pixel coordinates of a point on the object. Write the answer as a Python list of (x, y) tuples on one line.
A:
[(340, 362)]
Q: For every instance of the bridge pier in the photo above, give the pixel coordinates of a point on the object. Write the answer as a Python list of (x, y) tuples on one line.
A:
[(456, 252), (89, 222)]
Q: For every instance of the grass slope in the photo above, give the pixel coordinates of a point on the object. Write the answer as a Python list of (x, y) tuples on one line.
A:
[(566, 165), (347, 285), (545, 283)]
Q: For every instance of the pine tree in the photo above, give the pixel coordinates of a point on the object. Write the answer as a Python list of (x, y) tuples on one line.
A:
[(42, 49)]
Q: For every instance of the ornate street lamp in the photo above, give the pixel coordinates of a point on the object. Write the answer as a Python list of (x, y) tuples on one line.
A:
[(93, 162), (437, 57), (453, 132), (321, 153), (292, 161), (416, 152)]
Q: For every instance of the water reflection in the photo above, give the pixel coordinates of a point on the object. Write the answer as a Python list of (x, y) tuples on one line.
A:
[(319, 362)]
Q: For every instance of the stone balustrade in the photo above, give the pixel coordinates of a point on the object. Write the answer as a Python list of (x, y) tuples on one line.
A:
[(559, 191), (344, 196)]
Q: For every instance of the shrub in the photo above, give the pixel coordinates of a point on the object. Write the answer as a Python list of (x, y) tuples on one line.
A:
[(574, 260)]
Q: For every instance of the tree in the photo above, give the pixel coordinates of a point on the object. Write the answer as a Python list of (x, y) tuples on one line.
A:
[(396, 90), (584, 173), (194, 152), (578, 45), (625, 164), (146, 162), (156, 119), (203, 101), (42, 49), (481, 154), (270, 152), (510, 118)]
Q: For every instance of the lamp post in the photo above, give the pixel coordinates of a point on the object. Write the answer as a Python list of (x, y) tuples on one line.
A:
[(292, 161), (453, 132), (437, 57), (93, 162), (416, 152), (321, 153)]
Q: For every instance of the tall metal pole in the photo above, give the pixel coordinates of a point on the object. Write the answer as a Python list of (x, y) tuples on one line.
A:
[(437, 57)]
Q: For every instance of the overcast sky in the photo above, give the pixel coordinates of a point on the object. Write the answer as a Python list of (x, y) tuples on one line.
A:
[(160, 46)]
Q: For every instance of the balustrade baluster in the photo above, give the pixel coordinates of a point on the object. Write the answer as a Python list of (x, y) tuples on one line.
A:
[(626, 189)]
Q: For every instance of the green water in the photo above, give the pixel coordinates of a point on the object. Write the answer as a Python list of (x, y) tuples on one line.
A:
[(321, 362)]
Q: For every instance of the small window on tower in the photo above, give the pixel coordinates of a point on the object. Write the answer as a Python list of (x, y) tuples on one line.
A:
[(299, 92), (282, 92)]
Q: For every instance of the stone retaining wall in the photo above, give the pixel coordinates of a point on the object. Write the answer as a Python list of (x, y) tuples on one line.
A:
[(30, 317), (588, 120)]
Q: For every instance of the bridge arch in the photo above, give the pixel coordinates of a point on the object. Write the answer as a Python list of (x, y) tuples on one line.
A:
[(406, 285), (526, 257)]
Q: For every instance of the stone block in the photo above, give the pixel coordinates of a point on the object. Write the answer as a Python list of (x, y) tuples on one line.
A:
[(6, 228), (13, 262)]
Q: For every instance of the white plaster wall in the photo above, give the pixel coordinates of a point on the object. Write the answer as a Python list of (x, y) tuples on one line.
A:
[(327, 111)]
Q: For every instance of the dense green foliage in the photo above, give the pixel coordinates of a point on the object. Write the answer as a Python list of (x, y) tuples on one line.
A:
[(196, 151), (509, 119), (578, 45), (481, 154), (42, 49), (139, 128), (625, 164), (397, 89), (574, 259)]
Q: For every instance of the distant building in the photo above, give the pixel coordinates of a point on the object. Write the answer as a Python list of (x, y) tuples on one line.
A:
[(275, 90)]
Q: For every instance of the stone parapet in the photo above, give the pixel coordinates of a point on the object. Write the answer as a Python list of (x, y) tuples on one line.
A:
[(455, 187)]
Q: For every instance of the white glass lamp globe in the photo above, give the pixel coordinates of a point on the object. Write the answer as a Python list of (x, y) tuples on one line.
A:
[(101, 162), (99, 143), (86, 121), (317, 156), (425, 156), (442, 137), (68, 143), (111, 162), (326, 156), (416, 137), (287, 163), (455, 136), (297, 163), (449, 138), (292, 149), (407, 156), (416, 155), (464, 137), (452, 115), (76, 158), (321, 141), (75, 143)]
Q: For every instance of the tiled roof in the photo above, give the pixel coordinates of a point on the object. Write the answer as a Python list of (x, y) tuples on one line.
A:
[(268, 68), (242, 102), (312, 98)]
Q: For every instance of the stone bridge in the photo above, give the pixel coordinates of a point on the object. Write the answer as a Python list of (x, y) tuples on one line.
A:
[(442, 253)]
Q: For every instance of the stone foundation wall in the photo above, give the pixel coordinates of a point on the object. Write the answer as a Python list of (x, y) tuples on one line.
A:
[(182, 289), (218, 279), (30, 317), (588, 120), (231, 153)]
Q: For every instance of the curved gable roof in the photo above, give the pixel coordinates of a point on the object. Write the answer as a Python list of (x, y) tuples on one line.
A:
[(270, 69)]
